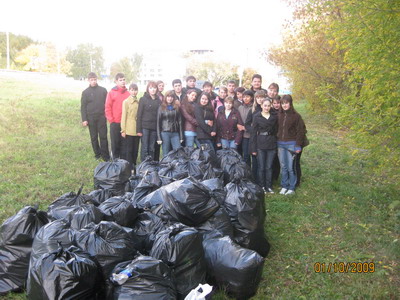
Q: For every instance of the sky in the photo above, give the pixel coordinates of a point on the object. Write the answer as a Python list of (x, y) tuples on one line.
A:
[(124, 27)]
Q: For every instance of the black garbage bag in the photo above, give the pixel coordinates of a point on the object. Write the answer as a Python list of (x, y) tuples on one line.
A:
[(134, 182), (80, 216), (153, 199), (173, 171), (219, 222), (49, 238), (149, 183), (71, 199), (216, 185), (233, 268), (119, 210), (228, 156), (108, 242), (175, 155), (148, 165), (236, 169), (151, 280), (112, 175), (244, 203), (63, 274), (146, 228), (211, 172), (189, 202), (197, 169), (16, 238), (180, 247), (205, 154), (101, 195)]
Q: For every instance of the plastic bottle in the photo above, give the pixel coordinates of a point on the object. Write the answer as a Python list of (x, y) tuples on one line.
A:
[(122, 276)]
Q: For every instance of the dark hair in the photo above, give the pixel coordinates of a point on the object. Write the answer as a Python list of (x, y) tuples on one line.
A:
[(232, 81), (277, 98), (256, 76), (248, 93), (240, 89), (209, 105), (260, 93), (133, 86), (159, 81), (191, 77), (119, 75), (185, 102), (175, 81), (288, 98), (207, 83), (164, 101), (274, 86), (92, 75), (223, 88)]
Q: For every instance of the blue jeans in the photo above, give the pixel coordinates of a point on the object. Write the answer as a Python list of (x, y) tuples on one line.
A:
[(228, 144), (288, 177), (149, 139), (191, 140), (169, 139), (265, 158)]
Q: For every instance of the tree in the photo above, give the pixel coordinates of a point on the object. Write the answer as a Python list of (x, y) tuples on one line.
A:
[(247, 75), (84, 59), (129, 66), (42, 58), (207, 68), (17, 43)]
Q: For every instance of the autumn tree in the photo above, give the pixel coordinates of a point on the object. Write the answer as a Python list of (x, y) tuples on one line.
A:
[(129, 66), (85, 58), (17, 43)]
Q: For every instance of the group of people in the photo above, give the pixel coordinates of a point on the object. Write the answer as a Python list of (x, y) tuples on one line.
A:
[(262, 126)]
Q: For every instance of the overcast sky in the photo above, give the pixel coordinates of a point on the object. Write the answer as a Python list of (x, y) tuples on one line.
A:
[(123, 27)]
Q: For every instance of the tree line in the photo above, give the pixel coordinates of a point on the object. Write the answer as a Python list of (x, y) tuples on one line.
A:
[(342, 57)]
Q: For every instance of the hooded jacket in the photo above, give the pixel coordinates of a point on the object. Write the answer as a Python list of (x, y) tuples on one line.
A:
[(113, 107)]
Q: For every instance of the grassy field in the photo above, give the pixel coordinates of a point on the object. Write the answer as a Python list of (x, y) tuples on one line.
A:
[(341, 213)]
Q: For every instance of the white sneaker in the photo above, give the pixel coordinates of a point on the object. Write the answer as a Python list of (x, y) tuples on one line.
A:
[(283, 191), (270, 191), (289, 192)]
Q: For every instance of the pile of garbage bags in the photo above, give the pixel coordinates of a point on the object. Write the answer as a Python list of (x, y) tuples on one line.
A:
[(193, 218)]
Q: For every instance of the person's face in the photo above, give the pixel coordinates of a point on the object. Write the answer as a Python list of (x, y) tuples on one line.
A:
[(285, 105), (246, 99), (178, 88), (152, 90), (204, 100), (239, 95), (276, 105), (256, 83), (207, 89), (169, 99), (133, 92), (266, 106), (191, 83), (120, 82), (228, 105), (231, 87), (160, 87), (260, 100), (92, 82), (192, 96), (272, 93), (222, 93)]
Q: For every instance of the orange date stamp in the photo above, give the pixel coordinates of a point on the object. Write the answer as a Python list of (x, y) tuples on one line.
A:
[(344, 267)]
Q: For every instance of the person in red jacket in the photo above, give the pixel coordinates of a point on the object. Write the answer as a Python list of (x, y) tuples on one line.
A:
[(113, 110)]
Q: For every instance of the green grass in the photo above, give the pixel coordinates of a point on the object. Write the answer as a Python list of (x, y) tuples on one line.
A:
[(342, 212)]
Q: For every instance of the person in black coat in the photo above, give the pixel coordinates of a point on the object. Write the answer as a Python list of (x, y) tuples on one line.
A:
[(204, 113), (263, 143), (92, 110), (146, 124), (169, 124)]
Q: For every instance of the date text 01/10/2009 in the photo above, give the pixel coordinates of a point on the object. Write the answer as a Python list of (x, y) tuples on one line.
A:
[(344, 267)]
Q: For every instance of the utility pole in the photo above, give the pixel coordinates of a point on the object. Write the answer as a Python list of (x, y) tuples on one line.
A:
[(8, 50)]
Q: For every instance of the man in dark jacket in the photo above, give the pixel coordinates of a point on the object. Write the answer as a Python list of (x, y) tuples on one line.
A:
[(92, 111)]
